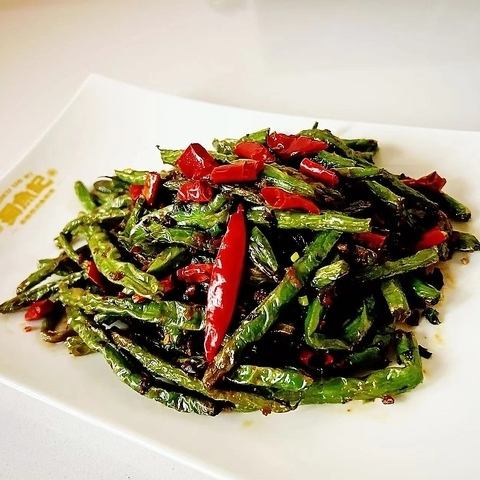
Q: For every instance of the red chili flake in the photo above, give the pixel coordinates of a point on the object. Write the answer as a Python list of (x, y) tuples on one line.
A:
[(116, 276), (39, 309), (135, 191), (388, 400), (93, 273), (121, 294), (328, 359), (328, 298), (433, 181), (306, 356), (136, 298), (166, 284), (27, 328), (266, 411), (291, 274)]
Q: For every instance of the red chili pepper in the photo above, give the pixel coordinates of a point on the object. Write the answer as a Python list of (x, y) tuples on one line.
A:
[(39, 309), (431, 238), (166, 284), (433, 181), (319, 172), (287, 146), (195, 162), (238, 172), (255, 151), (328, 359), (196, 191), (151, 187), (135, 191), (195, 272), (225, 283), (93, 273), (278, 198), (372, 240)]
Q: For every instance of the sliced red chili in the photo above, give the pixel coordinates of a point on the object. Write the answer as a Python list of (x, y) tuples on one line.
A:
[(374, 241), (431, 238), (135, 191), (238, 172), (225, 283), (283, 200), (319, 172), (166, 284), (287, 146), (94, 274), (195, 162), (39, 309), (255, 151), (195, 273), (433, 181), (151, 187), (197, 191)]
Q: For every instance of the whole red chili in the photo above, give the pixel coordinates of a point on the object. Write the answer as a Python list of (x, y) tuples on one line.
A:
[(225, 283), (39, 309), (151, 187), (93, 273), (195, 272), (431, 238), (372, 240), (255, 151), (135, 191), (238, 172), (433, 181), (195, 162), (319, 172), (197, 191), (287, 146), (283, 200), (166, 284)]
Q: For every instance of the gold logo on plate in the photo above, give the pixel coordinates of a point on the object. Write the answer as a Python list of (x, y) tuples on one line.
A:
[(24, 197)]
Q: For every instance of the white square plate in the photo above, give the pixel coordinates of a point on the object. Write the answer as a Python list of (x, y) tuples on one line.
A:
[(431, 432)]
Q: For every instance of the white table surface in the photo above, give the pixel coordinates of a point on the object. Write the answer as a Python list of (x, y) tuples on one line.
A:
[(412, 63)]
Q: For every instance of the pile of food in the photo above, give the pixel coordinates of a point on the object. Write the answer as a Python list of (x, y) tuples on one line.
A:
[(272, 271)]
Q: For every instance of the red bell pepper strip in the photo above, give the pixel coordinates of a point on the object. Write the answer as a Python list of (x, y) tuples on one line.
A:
[(431, 238), (372, 240), (94, 274), (225, 283), (287, 146), (433, 181), (195, 273), (319, 172), (39, 309), (135, 191), (197, 191), (255, 151), (166, 284), (283, 200), (151, 187), (195, 162), (238, 172)]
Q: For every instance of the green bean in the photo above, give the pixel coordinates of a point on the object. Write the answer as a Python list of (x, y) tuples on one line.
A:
[(453, 207), (64, 244), (355, 330), (136, 177), (46, 268), (84, 196), (100, 215), (323, 221), (77, 347), (200, 219), (278, 177), (396, 300), (465, 242), (358, 172), (361, 144), (328, 274), (171, 313), (425, 292), (167, 258), (261, 253), (423, 258), (385, 195), (278, 378)]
